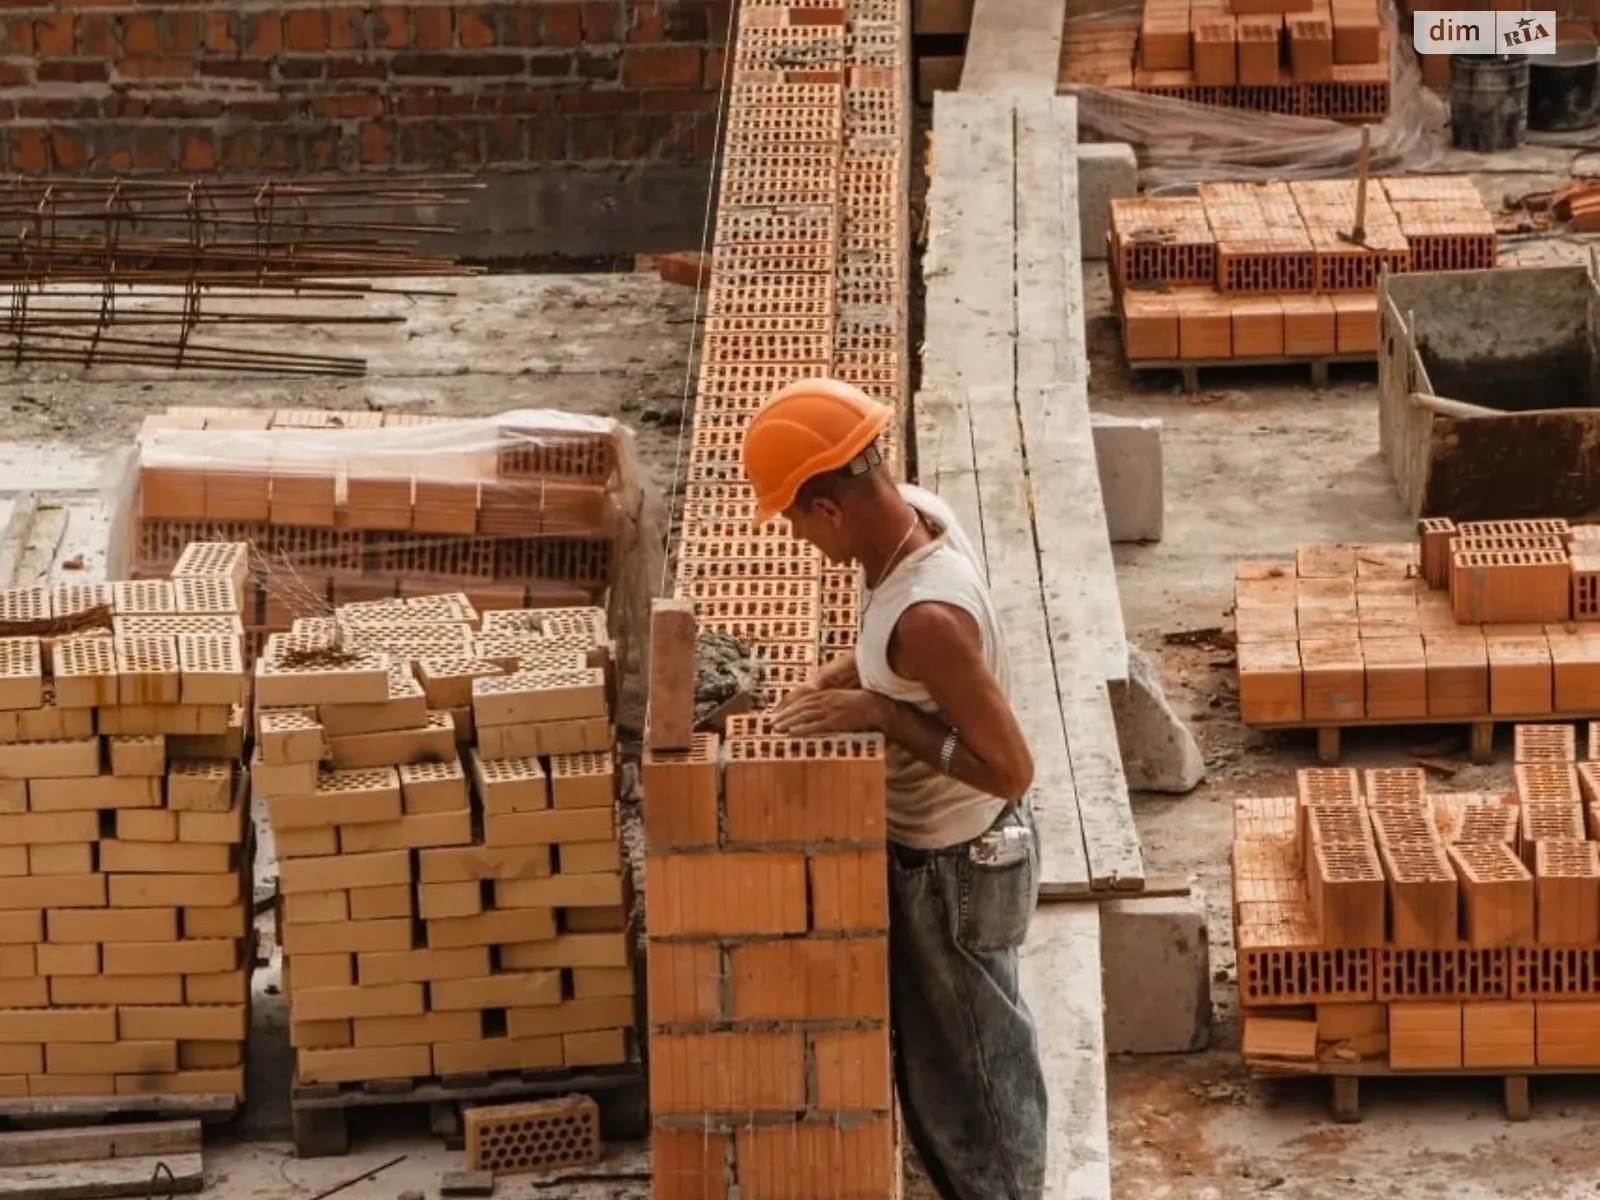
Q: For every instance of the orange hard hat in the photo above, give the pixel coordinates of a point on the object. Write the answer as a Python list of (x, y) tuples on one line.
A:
[(810, 427)]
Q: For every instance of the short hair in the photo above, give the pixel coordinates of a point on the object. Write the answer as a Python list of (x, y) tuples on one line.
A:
[(852, 477)]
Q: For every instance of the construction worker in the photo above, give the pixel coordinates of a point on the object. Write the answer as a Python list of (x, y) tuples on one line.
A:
[(930, 674)]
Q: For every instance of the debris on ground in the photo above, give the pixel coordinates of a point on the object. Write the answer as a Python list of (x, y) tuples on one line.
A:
[(466, 1183), (1576, 205)]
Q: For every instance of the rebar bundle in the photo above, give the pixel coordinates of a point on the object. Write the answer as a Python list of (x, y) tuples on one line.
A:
[(155, 260)]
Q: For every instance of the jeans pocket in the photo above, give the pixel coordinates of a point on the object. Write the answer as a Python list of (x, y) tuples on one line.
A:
[(997, 892)]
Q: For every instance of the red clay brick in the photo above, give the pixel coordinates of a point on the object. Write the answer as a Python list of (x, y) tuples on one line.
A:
[(730, 894), (853, 1071), (824, 979), (727, 1073), (849, 890), (662, 66), (684, 982)]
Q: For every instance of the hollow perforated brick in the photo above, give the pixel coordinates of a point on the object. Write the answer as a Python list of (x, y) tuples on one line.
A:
[(23, 604), (1497, 894), (1271, 977), (545, 1135), (1423, 895), (70, 599), (131, 597), (1445, 973), (1486, 823), (1545, 744), (1435, 534), (1554, 972), (205, 595), (21, 673), (1264, 816), (1329, 785), (216, 560), (1402, 826), (1551, 782), (1337, 825), (1388, 787)]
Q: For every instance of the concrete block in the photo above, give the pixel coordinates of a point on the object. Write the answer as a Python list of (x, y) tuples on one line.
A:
[(1128, 451), (1155, 963), (1106, 171), (1159, 753)]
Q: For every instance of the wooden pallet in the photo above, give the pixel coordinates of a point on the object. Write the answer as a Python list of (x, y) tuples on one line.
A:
[(1190, 368), (210, 1107), (320, 1111), (1345, 1083), (1481, 730)]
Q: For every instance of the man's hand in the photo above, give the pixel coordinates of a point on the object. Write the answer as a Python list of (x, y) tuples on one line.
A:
[(808, 712)]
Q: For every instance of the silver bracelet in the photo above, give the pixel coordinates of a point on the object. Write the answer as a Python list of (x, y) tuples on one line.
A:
[(948, 751)]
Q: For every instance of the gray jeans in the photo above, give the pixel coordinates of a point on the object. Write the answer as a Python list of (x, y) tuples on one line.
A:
[(966, 1051)]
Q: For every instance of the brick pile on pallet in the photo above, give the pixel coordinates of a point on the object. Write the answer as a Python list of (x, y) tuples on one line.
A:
[(1477, 621), (1298, 58), (765, 871), (125, 855), (441, 789), (1376, 923), (513, 516), (1260, 271)]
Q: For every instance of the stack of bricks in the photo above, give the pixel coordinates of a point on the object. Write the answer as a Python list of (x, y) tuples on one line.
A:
[(1443, 221), (1300, 58), (125, 856), (512, 516), (1478, 621), (1376, 923), (1259, 271), (441, 789), (769, 1074)]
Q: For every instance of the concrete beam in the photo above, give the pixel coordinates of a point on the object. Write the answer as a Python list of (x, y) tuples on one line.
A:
[(1155, 962), (1128, 453), (1014, 47), (1106, 171)]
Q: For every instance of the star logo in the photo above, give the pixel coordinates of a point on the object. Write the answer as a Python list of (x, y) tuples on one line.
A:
[(1525, 22)]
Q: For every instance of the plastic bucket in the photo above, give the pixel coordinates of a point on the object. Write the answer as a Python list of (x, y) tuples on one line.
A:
[(1488, 101), (1562, 86)]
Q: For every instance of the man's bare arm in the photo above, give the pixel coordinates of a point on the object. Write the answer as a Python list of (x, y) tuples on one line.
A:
[(940, 647), (839, 672)]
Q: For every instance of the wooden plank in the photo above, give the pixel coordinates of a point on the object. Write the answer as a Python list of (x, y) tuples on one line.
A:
[(1116, 857), (945, 463), (45, 536), (28, 1147), (1087, 639), (14, 536), (1060, 974), (107, 1178), (1079, 573), (969, 361), (1157, 887), (1014, 47), (1014, 584)]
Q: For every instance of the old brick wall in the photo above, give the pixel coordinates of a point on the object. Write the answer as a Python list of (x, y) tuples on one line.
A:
[(542, 88)]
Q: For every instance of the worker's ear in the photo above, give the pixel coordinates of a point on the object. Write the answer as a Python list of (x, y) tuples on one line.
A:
[(827, 509)]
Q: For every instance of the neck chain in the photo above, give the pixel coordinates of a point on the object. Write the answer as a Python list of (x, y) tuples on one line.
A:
[(894, 555)]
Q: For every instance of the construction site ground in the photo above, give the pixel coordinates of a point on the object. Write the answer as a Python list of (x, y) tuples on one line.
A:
[(1255, 464)]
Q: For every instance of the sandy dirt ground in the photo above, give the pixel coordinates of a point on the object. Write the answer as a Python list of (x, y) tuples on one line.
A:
[(1255, 464)]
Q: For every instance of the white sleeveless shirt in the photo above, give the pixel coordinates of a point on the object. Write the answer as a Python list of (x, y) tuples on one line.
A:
[(929, 810)]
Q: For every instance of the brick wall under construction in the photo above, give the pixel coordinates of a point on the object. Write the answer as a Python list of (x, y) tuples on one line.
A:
[(330, 86), (766, 904)]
